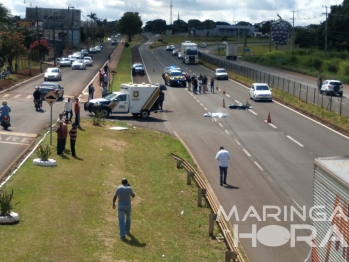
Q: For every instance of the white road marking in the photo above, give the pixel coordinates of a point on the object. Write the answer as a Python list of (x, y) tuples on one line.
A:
[(258, 166), (13, 143), (220, 125), (17, 134), (272, 125), (236, 101), (226, 131), (205, 108), (295, 141), (269, 178), (201, 105), (6, 95), (253, 112), (29, 96), (297, 204), (227, 95), (16, 96), (237, 142), (198, 101), (246, 152)]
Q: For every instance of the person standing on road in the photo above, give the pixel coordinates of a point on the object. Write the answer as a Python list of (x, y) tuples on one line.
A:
[(223, 157), (319, 82), (200, 83), (204, 84), (104, 91), (91, 91), (68, 109), (189, 82), (212, 85), (124, 193), (77, 113), (101, 79), (106, 79), (73, 133), (106, 68), (161, 99)]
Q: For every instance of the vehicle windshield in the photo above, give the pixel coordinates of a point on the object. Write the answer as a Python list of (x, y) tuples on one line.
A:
[(78, 61), (55, 70), (336, 83), (176, 73), (110, 96), (192, 51), (262, 88), (221, 71), (65, 59)]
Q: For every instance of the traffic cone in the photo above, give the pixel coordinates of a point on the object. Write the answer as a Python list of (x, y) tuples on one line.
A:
[(269, 119), (223, 103), (217, 88), (224, 91)]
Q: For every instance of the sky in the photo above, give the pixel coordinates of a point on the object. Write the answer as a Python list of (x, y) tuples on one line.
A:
[(230, 11)]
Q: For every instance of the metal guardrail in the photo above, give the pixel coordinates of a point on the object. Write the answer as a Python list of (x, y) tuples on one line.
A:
[(235, 253)]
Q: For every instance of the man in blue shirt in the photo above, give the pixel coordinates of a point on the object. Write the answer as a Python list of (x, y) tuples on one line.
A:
[(5, 110), (223, 157), (124, 193)]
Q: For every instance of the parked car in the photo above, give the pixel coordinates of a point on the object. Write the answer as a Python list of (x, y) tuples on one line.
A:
[(53, 73), (78, 64), (88, 61), (78, 55), (46, 87), (84, 52), (203, 45), (261, 92), (220, 73), (175, 52), (114, 42), (64, 61), (169, 48), (332, 87), (92, 50), (138, 69), (175, 78), (72, 58)]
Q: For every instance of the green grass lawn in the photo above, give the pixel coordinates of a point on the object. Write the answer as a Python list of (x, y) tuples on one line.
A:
[(66, 211)]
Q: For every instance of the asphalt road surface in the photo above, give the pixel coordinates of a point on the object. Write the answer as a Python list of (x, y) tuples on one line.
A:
[(26, 123), (272, 164)]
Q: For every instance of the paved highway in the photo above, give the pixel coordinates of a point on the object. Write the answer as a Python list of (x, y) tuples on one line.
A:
[(272, 164), (26, 123)]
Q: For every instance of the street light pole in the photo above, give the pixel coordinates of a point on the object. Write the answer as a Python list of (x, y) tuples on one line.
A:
[(69, 6)]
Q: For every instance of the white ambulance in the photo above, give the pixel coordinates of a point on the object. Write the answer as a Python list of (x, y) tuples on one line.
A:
[(137, 99)]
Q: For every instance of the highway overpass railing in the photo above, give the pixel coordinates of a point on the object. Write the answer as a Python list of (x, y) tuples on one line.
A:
[(306, 93)]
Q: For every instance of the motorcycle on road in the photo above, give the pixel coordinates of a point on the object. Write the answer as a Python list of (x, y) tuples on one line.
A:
[(38, 104), (5, 122)]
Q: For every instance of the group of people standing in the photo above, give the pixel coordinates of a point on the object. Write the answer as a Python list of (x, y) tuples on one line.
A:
[(62, 134), (199, 84)]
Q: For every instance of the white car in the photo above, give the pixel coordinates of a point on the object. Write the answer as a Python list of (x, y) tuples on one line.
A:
[(179, 55), (203, 45), (64, 61), (72, 58), (53, 73), (88, 61), (78, 64), (260, 92), (221, 73), (332, 87)]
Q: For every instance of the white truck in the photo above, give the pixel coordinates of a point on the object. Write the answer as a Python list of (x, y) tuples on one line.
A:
[(231, 52), (137, 99), (189, 53), (330, 236)]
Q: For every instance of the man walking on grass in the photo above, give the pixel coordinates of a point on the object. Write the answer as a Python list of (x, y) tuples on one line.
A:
[(73, 133), (124, 193)]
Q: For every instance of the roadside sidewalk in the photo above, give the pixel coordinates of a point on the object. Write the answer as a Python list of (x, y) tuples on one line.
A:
[(113, 65)]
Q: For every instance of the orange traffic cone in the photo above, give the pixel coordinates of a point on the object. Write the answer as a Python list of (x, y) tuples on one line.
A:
[(223, 103), (269, 119), (217, 88)]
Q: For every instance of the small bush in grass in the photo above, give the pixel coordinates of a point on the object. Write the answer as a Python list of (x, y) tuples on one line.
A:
[(5, 203), (317, 63), (332, 65), (98, 118), (43, 152), (344, 68)]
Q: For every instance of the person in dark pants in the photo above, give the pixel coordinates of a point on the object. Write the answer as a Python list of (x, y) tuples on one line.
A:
[(124, 193), (212, 85), (91, 91), (60, 138), (223, 157), (319, 82), (161, 99), (65, 132), (77, 113), (73, 133), (68, 109)]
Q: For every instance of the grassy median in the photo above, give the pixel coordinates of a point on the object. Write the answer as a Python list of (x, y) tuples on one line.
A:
[(66, 211)]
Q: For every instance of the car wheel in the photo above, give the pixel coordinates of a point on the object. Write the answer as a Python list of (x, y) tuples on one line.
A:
[(105, 112), (44, 78), (144, 114)]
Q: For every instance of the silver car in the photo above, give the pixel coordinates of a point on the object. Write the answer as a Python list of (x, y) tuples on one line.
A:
[(220, 73), (88, 61), (53, 73), (64, 61), (78, 64)]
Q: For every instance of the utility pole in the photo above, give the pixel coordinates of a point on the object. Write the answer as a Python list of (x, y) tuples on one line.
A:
[(72, 29), (54, 38), (325, 29), (69, 6), (37, 29), (293, 36)]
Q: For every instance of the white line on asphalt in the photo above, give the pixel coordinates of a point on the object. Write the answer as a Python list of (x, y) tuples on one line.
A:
[(220, 124), (246, 152), (253, 112), (258, 166), (29, 96), (269, 178), (237, 142), (297, 204), (272, 125), (201, 105), (295, 141), (16, 96), (205, 108), (6, 95), (227, 95), (236, 101), (13, 143), (226, 131), (197, 100)]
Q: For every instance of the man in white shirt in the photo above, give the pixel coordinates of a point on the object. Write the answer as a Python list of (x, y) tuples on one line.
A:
[(223, 157), (68, 109)]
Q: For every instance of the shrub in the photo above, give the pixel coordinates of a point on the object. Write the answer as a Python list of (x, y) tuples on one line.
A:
[(332, 65), (5, 203), (317, 63), (98, 118), (43, 152), (344, 68)]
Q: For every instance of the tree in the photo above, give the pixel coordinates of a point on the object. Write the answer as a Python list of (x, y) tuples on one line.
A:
[(93, 18), (155, 26), (264, 27), (130, 24), (193, 25), (42, 46), (305, 37), (180, 26), (11, 45), (222, 23), (4, 17), (243, 23)]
